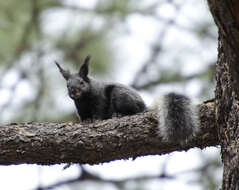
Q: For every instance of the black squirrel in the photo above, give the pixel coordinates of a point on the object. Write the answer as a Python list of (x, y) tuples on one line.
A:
[(178, 116), (100, 100)]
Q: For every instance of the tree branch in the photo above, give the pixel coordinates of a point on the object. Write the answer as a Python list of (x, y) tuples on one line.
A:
[(101, 141)]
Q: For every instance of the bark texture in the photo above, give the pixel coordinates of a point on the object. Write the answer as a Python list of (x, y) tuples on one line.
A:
[(226, 16), (103, 141)]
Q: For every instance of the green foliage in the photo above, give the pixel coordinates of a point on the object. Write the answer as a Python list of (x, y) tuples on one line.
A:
[(84, 42), (114, 7), (14, 16), (20, 26)]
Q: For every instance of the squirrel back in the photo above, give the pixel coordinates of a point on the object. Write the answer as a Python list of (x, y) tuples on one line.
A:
[(99, 100), (178, 118)]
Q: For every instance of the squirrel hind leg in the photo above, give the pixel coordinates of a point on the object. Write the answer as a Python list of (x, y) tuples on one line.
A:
[(126, 102)]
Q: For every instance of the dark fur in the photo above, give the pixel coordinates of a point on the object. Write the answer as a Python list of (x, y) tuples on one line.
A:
[(99, 100)]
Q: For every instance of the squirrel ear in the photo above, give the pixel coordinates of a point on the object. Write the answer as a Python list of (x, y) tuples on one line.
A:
[(84, 69), (65, 74)]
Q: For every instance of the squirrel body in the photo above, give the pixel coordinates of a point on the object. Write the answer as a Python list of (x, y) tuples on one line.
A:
[(178, 118), (100, 100)]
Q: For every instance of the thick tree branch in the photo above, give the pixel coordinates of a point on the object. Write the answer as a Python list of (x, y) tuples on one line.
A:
[(102, 141)]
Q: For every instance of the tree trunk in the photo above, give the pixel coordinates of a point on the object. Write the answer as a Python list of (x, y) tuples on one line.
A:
[(102, 141), (226, 17)]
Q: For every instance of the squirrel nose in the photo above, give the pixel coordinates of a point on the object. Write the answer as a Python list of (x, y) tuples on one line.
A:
[(72, 90)]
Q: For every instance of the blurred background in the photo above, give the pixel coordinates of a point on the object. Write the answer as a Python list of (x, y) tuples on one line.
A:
[(155, 46)]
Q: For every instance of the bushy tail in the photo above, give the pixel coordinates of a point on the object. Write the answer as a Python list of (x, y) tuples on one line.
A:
[(178, 118)]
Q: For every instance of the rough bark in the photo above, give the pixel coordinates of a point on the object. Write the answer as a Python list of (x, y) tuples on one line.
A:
[(226, 17), (102, 141)]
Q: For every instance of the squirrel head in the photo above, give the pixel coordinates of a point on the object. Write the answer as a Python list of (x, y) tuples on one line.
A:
[(78, 84)]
